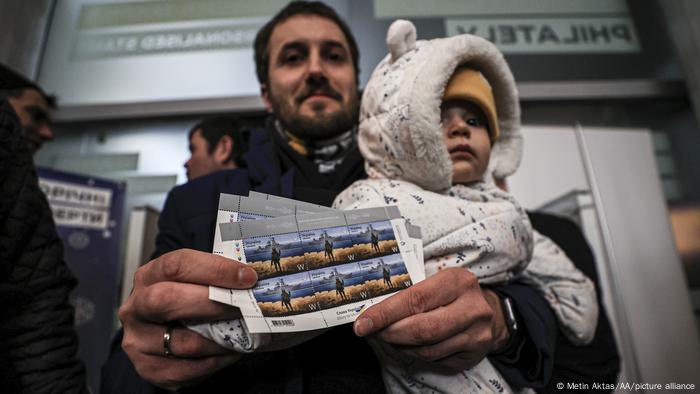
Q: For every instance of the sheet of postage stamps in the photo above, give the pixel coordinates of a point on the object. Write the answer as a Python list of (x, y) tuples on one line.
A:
[(234, 208), (315, 270), (414, 232)]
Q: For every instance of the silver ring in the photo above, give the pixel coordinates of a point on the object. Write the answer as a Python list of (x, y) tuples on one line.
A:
[(166, 341)]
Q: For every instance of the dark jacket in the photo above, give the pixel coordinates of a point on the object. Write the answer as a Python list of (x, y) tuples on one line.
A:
[(38, 342), (336, 361), (598, 362)]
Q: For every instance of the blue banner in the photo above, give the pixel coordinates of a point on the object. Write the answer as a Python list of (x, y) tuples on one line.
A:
[(89, 217)]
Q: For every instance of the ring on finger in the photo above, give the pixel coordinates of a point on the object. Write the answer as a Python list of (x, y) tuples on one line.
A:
[(167, 351)]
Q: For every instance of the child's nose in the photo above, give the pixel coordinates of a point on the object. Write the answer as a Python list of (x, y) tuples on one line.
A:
[(458, 127)]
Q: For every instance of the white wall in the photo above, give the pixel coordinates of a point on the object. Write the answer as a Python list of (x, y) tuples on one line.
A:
[(160, 144), (641, 275)]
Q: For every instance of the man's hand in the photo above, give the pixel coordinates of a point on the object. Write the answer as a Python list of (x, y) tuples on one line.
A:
[(446, 319), (171, 288)]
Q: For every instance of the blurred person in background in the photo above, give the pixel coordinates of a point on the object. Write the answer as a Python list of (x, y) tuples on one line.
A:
[(31, 106), (215, 144), (38, 341)]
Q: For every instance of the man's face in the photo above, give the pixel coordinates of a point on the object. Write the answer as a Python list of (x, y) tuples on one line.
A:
[(201, 162), (467, 139), (311, 86), (33, 113)]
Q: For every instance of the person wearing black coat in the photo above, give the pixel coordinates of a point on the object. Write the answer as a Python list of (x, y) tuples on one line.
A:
[(38, 341)]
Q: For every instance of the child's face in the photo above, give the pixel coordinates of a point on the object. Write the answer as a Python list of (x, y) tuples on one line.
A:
[(467, 139)]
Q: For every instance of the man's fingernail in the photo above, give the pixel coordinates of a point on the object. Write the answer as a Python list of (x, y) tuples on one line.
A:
[(363, 326), (247, 275)]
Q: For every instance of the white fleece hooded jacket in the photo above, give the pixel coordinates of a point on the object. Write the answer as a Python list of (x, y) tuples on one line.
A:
[(478, 227)]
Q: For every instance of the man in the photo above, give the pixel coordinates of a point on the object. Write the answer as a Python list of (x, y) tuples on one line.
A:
[(307, 64), (340, 288), (216, 144), (38, 342), (386, 274), (328, 246), (31, 105)]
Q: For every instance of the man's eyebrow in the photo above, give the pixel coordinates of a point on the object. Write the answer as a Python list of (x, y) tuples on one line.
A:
[(294, 45), (303, 46), (329, 44)]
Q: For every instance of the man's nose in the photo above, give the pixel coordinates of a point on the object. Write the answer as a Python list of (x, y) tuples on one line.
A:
[(315, 62), (45, 132), (316, 71)]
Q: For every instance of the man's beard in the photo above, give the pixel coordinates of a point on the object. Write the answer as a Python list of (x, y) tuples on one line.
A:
[(321, 125), (31, 140)]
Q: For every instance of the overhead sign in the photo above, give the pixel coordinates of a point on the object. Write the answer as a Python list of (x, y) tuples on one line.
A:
[(113, 52), (552, 35), (91, 45), (441, 8)]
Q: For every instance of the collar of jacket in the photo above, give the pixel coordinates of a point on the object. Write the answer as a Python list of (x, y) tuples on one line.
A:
[(264, 168), (325, 154)]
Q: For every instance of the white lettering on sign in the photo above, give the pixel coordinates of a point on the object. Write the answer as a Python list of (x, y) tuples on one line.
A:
[(65, 215), (100, 43), (78, 195), (552, 35), (77, 205)]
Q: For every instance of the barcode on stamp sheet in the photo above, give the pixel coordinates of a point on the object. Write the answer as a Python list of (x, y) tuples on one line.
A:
[(283, 323)]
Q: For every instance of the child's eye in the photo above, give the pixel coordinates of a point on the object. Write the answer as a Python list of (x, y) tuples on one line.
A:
[(475, 122)]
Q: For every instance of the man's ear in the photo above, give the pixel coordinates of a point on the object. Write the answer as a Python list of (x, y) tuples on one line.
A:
[(224, 149), (265, 95)]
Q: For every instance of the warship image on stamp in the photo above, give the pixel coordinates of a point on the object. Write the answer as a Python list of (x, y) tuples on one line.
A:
[(285, 295), (326, 247), (274, 255), (372, 240)]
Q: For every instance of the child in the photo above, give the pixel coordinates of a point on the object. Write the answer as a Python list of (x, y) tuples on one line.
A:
[(437, 119)]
